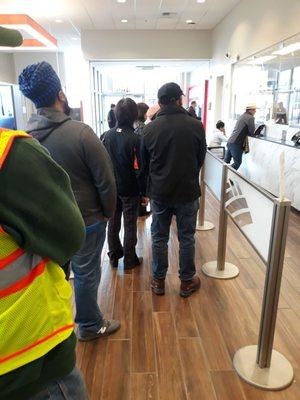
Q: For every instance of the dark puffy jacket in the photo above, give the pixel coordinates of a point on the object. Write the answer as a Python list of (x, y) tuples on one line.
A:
[(123, 146), (173, 150)]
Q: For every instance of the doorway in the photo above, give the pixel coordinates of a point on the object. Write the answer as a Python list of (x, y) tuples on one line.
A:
[(139, 80)]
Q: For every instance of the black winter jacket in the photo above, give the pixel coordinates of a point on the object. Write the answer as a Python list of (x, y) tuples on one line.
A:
[(172, 151), (123, 146)]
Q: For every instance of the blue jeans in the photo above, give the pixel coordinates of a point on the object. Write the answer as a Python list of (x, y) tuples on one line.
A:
[(71, 387), (86, 265), (234, 151), (186, 219)]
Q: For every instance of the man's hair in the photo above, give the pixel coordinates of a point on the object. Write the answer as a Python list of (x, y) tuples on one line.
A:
[(193, 102), (220, 124), (142, 109), (112, 105), (126, 112)]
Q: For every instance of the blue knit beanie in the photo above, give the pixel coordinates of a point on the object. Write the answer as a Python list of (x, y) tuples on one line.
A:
[(40, 83)]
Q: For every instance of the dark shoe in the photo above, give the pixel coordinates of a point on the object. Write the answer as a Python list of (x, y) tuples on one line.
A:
[(158, 286), (188, 287), (108, 327), (114, 258), (145, 214), (138, 261)]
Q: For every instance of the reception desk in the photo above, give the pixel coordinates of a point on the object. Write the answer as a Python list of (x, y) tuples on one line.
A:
[(261, 165)]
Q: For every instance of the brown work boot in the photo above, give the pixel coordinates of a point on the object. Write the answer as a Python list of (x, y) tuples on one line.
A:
[(158, 286), (188, 287)]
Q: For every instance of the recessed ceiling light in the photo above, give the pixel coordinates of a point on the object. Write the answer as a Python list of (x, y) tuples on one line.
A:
[(189, 21), (121, 1), (75, 38), (59, 21), (200, 1), (124, 21)]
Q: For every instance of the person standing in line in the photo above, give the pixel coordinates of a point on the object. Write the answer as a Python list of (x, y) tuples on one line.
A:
[(245, 126), (75, 147), (111, 117), (192, 109), (140, 125), (141, 119), (172, 151), (41, 228), (123, 146)]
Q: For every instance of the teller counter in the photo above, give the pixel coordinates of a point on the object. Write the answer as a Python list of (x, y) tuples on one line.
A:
[(261, 165)]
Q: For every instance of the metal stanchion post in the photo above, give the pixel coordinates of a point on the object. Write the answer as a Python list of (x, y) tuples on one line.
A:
[(260, 365), (220, 269), (203, 225)]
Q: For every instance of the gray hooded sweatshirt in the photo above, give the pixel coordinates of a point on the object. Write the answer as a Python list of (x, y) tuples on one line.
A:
[(75, 147)]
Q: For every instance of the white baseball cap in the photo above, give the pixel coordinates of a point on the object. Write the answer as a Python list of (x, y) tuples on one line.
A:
[(251, 106)]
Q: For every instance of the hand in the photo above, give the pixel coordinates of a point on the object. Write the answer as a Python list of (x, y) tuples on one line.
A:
[(145, 201)]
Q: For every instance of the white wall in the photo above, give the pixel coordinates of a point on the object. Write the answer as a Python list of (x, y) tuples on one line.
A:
[(145, 44), (7, 68), (250, 27), (22, 59), (253, 26)]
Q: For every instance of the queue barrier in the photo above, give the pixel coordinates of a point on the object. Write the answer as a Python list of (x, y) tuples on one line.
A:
[(263, 220), (202, 224)]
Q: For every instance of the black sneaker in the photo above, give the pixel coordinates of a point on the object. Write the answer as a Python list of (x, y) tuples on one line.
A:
[(130, 265), (114, 258), (108, 327)]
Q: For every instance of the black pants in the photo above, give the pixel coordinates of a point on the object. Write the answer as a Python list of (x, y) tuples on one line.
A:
[(234, 151), (129, 206)]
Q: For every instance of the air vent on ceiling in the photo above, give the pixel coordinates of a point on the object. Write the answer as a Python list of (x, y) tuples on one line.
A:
[(147, 67), (167, 14)]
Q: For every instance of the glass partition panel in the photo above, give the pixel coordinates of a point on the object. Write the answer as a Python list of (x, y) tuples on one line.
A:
[(270, 78), (213, 174), (251, 210)]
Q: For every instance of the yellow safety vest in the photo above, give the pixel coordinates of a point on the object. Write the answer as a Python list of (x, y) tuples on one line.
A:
[(35, 307)]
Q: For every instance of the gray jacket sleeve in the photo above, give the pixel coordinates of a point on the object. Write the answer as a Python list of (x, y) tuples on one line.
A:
[(251, 126), (99, 163)]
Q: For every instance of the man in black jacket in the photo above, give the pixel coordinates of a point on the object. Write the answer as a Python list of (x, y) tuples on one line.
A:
[(173, 151), (123, 146), (75, 147)]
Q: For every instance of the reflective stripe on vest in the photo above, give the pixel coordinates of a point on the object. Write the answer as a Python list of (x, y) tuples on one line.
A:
[(35, 307)]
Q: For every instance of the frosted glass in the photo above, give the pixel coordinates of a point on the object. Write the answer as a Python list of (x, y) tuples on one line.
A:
[(213, 174), (251, 210)]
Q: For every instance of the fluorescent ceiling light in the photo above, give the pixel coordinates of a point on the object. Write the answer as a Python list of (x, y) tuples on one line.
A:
[(124, 21), (287, 49), (121, 1), (189, 21), (200, 1), (39, 38), (59, 21), (75, 38), (261, 60)]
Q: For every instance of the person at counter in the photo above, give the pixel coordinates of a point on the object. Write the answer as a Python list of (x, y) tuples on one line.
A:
[(219, 135), (244, 127), (281, 117)]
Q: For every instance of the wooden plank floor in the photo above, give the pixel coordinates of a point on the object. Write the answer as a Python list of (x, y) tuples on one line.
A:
[(171, 348)]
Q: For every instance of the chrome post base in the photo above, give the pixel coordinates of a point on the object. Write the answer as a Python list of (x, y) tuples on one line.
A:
[(210, 269), (207, 226), (279, 376)]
